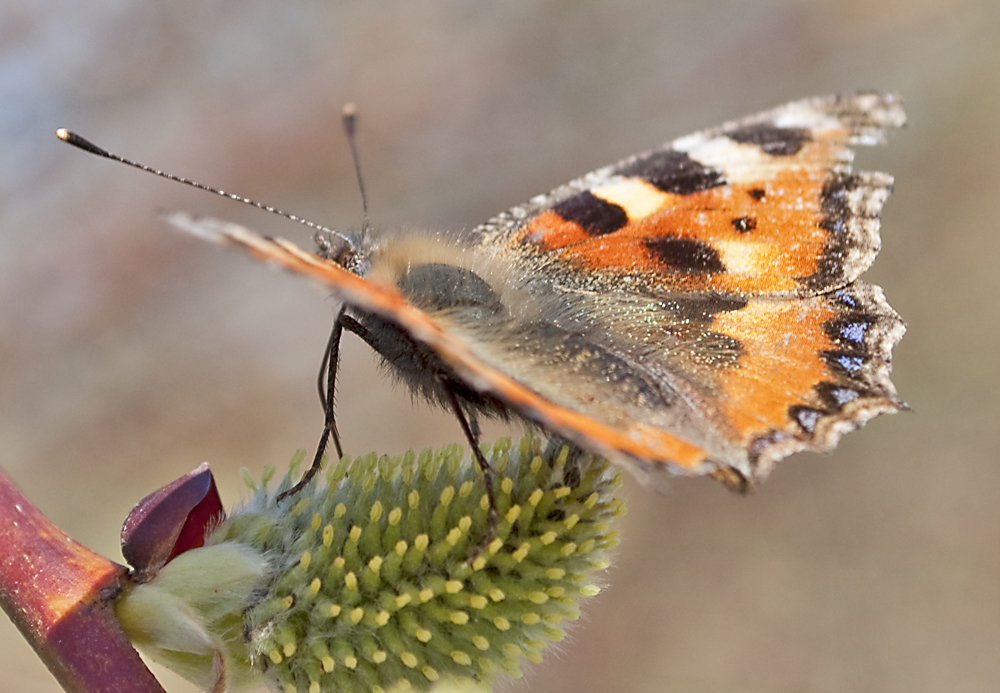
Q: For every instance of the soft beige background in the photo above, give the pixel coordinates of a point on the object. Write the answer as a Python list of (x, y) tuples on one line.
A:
[(130, 353)]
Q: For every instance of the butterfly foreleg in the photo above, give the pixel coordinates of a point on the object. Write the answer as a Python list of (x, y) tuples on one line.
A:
[(326, 385)]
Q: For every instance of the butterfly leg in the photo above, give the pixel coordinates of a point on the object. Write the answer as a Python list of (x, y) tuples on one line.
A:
[(326, 384), (474, 439), (471, 431), (328, 371)]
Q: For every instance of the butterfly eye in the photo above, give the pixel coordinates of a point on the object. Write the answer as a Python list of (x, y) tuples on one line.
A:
[(342, 252), (345, 258)]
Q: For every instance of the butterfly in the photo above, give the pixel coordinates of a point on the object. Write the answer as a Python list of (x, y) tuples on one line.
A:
[(692, 310)]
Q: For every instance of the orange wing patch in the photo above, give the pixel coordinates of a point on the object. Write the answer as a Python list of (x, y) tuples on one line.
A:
[(780, 364), (810, 370), (750, 239)]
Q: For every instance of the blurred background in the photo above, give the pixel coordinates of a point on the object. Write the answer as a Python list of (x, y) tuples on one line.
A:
[(130, 353)]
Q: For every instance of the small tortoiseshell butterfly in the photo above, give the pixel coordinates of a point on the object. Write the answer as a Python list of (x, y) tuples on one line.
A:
[(695, 309)]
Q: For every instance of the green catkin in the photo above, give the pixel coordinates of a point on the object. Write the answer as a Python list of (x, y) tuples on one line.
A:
[(378, 577)]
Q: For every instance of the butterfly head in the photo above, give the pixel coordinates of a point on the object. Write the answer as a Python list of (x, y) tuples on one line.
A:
[(346, 249)]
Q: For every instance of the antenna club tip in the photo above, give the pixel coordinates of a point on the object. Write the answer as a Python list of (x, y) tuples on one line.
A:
[(70, 137), (350, 110)]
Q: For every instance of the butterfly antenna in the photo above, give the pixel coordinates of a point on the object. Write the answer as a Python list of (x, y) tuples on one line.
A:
[(70, 137), (349, 117)]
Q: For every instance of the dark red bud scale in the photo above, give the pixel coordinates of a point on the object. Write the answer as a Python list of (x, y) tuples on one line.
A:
[(170, 521)]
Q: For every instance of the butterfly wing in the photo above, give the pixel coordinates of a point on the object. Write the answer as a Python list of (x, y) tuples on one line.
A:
[(695, 309), (723, 268), (764, 206), (631, 447)]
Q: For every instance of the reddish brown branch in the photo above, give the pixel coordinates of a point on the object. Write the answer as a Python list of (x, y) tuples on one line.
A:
[(60, 595)]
